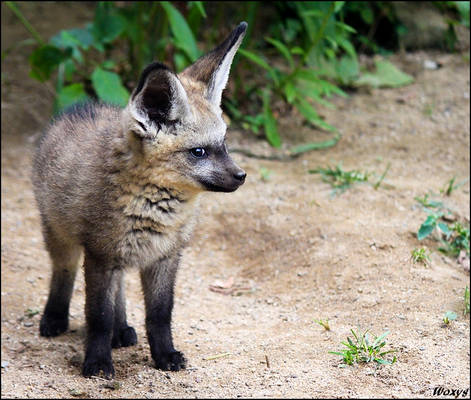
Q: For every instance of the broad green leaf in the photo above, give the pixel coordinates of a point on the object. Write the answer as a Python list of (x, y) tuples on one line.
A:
[(184, 38), (109, 88), (45, 59), (282, 49), (426, 229), (386, 75), (311, 115), (107, 24), (70, 95), (270, 125)]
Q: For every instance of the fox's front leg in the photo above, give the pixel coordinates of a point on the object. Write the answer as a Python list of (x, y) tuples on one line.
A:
[(158, 282), (101, 281)]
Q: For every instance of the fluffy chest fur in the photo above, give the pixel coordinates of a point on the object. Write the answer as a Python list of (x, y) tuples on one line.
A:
[(157, 221)]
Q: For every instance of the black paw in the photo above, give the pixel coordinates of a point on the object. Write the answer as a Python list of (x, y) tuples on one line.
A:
[(51, 326), (174, 361), (124, 337), (92, 367)]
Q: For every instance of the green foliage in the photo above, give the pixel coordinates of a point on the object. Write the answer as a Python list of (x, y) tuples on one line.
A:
[(109, 88), (448, 317), (304, 54), (363, 349), (340, 179), (183, 36), (428, 203), (70, 95), (454, 238), (84, 58), (457, 240), (420, 256), (45, 59)]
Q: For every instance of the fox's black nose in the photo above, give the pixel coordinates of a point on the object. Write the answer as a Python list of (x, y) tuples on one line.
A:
[(240, 176)]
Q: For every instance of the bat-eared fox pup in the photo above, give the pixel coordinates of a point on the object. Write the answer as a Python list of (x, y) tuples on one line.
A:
[(121, 186)]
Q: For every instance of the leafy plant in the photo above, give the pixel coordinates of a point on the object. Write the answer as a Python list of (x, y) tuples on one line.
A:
[(363, 349), (339, 179), (454, 238), (457, 240), (294, 81), (448, 317), (420, 256), (425, 202), (86, 59), (308, 53)]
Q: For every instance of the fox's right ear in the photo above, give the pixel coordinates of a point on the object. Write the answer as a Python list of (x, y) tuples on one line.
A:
[(159, 100)]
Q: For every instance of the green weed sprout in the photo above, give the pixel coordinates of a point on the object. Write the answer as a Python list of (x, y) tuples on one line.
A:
[(363, 350), (340, 179), (420, 256), (324, 324)]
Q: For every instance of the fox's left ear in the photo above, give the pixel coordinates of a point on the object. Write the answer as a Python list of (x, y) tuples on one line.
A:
[(213, 68)]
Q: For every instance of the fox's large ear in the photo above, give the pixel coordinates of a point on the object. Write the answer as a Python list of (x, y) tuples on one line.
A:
[(213, 68), (158, 100)]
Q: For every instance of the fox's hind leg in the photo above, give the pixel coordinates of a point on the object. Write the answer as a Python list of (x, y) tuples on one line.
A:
[(123, 334), (65, 258)]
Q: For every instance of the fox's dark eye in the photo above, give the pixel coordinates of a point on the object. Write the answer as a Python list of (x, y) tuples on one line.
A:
[(198, 152)]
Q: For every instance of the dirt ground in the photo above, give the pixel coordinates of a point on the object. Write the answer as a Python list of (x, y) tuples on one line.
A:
[(293, 252)]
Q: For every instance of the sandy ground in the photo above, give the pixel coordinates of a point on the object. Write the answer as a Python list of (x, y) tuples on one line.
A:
[(294, 252)]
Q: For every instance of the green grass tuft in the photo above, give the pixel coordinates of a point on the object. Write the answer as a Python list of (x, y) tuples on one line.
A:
[(364, 349)]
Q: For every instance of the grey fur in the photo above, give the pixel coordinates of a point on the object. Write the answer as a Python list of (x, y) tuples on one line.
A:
[(121, 186)]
